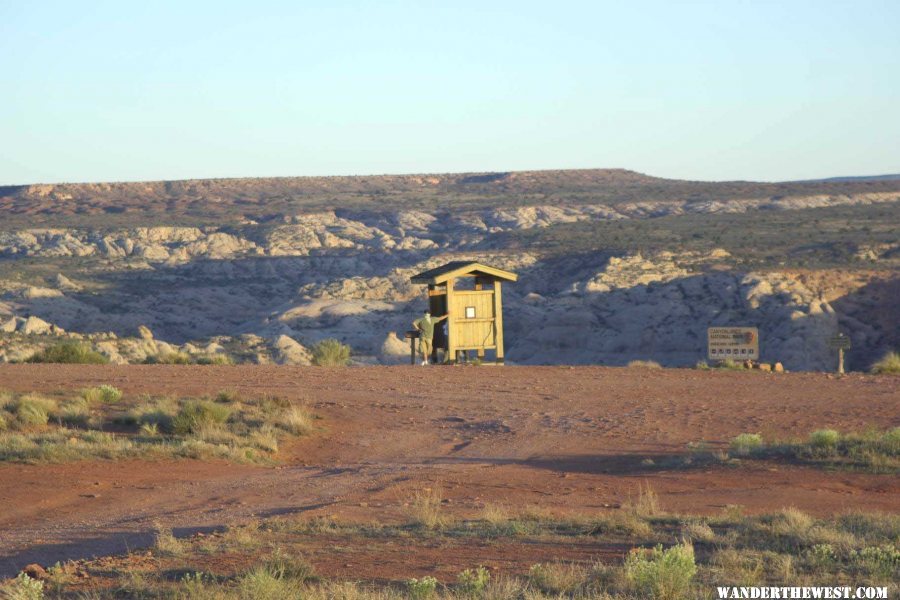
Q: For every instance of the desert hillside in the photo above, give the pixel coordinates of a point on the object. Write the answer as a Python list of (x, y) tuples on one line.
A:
[(614, 265)]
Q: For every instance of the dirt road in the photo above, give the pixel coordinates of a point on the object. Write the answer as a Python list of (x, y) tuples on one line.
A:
[(570, 440)]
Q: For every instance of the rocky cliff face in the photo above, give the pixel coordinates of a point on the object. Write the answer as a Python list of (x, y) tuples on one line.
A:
[(263, 291)]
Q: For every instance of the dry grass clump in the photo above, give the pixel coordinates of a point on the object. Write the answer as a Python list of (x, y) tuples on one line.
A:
[(888, 365), (557, 578), (166, 543), (105, 394), (296, 420), (698, 531), (644, 364), (425, 509)]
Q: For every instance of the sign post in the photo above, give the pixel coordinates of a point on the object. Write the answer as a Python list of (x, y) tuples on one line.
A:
[(736, 343), (841, 342)]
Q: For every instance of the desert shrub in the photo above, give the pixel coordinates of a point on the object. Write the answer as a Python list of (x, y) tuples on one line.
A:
[(198, 414), (824, 440), (68, 352), (105, 394), (746, 443), (644, 364), (170, 358), (662, 574), (702, 365), (23, 587), (889, 364), (556, 578), (880, 561), (330, 353), (472, 582), (4, 422), (421, 589), (214, 359)]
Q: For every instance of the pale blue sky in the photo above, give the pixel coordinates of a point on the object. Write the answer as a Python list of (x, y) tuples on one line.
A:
[(111, 91)]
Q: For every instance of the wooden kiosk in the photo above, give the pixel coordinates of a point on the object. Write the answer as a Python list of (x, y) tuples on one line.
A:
[(470, 293)]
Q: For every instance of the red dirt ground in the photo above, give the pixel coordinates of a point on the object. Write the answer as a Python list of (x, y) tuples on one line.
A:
[(566, 440)]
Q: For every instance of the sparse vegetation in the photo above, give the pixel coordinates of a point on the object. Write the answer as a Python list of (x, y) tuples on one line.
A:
[(68, 352), (871, 450), (889, 364), (36, 428), (266, 560), (425, 509), (331, 353)]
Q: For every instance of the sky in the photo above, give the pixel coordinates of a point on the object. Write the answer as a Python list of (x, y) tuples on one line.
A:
[(720, 90)]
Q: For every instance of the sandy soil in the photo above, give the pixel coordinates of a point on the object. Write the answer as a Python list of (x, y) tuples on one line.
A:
[(567, 440)]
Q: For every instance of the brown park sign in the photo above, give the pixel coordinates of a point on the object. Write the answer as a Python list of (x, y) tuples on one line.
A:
[(839, 341), (736, 343)]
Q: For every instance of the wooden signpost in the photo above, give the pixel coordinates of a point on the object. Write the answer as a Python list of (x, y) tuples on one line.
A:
[(841, 342)]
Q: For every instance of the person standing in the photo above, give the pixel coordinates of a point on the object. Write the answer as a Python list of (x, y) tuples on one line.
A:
[(425, 326)]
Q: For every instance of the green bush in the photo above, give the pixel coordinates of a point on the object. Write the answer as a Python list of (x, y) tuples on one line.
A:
[(68, 352), (421, 589), (824, 440), (746, 443), (330, 353), (472, 582), (106, 394), (662, 574), (197, 414), (23, 587), (890, 364)]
